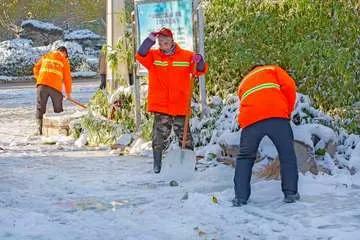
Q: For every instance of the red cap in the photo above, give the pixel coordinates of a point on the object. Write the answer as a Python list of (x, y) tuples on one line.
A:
[(165, 32)]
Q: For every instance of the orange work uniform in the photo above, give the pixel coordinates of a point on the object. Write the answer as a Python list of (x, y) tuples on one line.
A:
[(266, 92), (169, 80), (53, 70)]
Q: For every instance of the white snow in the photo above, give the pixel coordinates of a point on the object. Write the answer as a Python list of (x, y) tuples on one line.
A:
[(305, 132), (81, 34), (16, 43), (88, 74), (41, 25), (355, 157), (62, 191), (125, 139)]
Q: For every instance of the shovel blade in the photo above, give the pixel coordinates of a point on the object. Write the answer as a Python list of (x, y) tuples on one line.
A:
[(179, 164)]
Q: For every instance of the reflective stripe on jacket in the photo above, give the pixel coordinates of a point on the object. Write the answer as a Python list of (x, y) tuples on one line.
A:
[(266, 92), (53, 70), (169, 80)]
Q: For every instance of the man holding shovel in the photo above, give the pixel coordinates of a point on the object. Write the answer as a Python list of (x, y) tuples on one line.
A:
[(51, 72), (171, 71)]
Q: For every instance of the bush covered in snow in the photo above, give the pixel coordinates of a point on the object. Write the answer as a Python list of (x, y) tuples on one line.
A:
[(41, 25), (18, 56), (81, 35), (331, 144)]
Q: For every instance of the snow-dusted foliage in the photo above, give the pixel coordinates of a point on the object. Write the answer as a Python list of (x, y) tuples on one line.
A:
[(331, 145), (41, 25), (81, 35), (17, 57)]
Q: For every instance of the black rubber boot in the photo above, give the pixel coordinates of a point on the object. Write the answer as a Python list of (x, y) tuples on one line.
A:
[(291, 198), (39, 125), (157, 161), (236, 202)]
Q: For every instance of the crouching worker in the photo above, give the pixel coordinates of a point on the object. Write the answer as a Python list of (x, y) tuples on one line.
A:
[(51, 72), (170, 71), (267, 96)]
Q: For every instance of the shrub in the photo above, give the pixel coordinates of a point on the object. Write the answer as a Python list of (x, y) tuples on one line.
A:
[(316, 41)]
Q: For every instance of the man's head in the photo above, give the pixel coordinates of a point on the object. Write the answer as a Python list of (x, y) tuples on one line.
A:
[(166, 40), (63, 51)]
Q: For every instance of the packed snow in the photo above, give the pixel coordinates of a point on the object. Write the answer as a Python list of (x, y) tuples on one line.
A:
[(51, 188)]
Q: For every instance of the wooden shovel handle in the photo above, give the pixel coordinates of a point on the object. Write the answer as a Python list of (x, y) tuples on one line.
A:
[(187, 117), (76, 102)]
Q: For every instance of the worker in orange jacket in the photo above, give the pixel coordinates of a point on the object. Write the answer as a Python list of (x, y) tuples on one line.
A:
[(51, 72), (267, 96), (171, 70)]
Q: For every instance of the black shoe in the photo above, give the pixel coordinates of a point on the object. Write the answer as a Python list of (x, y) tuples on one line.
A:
[(291, 198), (238, 202), (39, 126), (157, 162)]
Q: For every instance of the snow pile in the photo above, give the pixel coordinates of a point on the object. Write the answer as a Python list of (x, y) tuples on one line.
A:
[(81, 35), (41, 25)]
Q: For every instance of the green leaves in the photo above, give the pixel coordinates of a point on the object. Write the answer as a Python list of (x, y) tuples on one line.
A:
[(316, 41)]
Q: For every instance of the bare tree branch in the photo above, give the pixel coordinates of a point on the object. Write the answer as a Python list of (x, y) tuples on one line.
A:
[(8, 24)]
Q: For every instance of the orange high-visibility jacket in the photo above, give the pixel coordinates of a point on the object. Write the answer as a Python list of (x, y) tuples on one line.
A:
[(266, 92), (169, 80), (53, 70)]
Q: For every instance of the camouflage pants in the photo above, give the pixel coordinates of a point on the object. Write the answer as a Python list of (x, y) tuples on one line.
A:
[(163, 124)]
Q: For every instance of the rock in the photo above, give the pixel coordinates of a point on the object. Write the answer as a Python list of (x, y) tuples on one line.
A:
[(173, 183), (305, 161), (305, 158), (58, 123), (331, 148), (41, 33)]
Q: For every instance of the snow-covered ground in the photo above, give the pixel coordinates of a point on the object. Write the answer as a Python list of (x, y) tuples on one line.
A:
[(64, 192)]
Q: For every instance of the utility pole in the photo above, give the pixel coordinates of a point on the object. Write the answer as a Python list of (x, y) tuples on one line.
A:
[(136, 80), (115, 31), (200, 37)]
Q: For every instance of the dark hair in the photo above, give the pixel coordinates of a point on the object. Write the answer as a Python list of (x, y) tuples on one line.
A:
[(63, 49)]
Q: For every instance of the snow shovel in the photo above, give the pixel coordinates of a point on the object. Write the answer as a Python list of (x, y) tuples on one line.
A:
[(179, 164), (76, 102)]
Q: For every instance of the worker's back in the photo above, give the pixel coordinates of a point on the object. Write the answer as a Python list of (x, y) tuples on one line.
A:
[(266, 92)]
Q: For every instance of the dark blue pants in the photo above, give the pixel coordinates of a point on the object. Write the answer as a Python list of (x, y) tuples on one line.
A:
[(280, 133)]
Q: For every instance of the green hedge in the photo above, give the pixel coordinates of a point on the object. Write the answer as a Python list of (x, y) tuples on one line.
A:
[(318, 42)]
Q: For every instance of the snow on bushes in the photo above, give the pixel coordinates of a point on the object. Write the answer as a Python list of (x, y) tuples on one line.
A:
[(330, 144), (18, 56), (81, 34), (41, 25)]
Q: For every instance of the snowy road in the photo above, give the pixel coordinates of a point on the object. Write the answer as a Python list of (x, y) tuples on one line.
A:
[(65, 193)]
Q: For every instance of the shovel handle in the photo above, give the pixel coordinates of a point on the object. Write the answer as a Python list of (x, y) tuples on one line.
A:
[(76, 102), (187, 117)]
